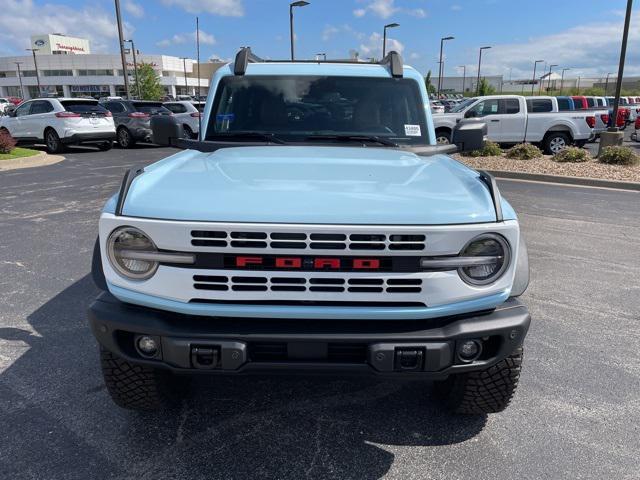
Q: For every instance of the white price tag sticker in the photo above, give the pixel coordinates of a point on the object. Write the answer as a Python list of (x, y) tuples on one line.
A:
[(412, 130)]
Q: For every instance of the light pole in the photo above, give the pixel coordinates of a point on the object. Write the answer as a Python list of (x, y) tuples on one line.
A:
[(184, 65), (533, 83), (464, 76), (442, 40), (606, 85), (562, 79), (299, 3), (122, 56), (623, 54), (479, 65), (384, 37), (135, 66), (549, 80), (35, 64), (20, 79)]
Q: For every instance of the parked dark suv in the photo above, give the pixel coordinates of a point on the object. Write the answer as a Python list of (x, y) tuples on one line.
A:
[(133, 119)]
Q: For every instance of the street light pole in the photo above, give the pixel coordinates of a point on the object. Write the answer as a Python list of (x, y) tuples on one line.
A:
[(122, 56), (479, 65), (606, 85), (35, 64), (623, 54), (184, 64), (20, 79), (442, 40), (384, 37), (535, 65), (464, 76), (549, 80), (300, 3), (135, 66), (562, 80)]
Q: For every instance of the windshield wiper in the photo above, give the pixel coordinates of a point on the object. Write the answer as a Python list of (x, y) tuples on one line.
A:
[(267, 137), (355, 138)]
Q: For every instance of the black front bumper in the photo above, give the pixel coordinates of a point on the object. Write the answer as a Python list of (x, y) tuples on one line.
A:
[(244, 345), (89, 137)]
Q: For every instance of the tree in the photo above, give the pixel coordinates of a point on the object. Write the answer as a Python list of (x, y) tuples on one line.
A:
[(149, 80), (484, 88), (427, 81)]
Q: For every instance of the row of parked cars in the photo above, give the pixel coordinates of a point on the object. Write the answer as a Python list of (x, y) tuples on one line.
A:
[(58, 122)]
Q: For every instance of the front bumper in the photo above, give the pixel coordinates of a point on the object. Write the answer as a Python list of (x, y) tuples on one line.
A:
[(243, 345)]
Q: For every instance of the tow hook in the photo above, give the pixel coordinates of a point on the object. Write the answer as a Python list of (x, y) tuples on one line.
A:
[(205, 358), (409, 358)]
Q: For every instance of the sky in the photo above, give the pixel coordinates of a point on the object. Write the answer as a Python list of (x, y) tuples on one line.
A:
[(583, 35)]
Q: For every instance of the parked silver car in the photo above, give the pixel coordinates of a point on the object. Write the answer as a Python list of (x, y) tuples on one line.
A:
[(188, 114)]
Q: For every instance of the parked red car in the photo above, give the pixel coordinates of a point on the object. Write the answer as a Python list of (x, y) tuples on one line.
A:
[(580, 102), (15, 100)]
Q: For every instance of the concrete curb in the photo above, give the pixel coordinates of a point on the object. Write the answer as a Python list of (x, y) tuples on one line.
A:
[(582, 181), (39, 160)]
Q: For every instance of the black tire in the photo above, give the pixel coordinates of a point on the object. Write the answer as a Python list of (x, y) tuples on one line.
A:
[(52, 141), (124, 138), (554, 142), (484, 391), (105, 146), (443, 136), (187, 132), (138, 387)]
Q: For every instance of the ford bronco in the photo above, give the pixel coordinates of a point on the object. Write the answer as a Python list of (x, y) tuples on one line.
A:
[(315, 226)]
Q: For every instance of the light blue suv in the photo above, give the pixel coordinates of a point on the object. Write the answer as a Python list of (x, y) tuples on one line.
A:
[(314, 227)]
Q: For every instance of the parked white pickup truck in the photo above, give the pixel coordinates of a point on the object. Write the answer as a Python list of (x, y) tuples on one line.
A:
[(509, 121)]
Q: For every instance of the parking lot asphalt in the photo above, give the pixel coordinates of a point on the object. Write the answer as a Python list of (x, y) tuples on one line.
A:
[(593, 146), (576, 413)]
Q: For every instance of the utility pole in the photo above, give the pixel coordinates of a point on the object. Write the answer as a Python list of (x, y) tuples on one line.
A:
[(122, 56), (606, 85), (135, 66), (20, 79), (533, 83), (184, 64), (384, 37), (562, 80), (441, 70), (549, 80), (479, 65), (35, 64), (464, 76), (300, 3)]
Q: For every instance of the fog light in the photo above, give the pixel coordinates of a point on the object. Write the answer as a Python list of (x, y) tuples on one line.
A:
[(147, 346), (469, 350)]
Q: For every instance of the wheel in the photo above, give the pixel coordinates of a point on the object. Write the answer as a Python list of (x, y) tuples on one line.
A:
[(52, 140), (125, 139), (187, 132), (443, 137), (484, 391), (554, 142), (138, 387), (105, 146)]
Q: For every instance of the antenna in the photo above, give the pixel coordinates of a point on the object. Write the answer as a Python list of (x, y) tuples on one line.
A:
[(198, 60)]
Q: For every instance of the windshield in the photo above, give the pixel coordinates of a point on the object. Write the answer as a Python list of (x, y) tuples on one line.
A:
[(151, 108), (462, 105), (294, 108)]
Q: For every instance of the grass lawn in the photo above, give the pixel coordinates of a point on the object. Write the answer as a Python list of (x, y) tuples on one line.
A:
[(18, 153)]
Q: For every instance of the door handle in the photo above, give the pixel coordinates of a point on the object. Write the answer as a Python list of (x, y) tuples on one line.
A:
[(495, 120)]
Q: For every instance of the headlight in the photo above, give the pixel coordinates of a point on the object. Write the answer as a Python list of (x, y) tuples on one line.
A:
[(127, 248), (489, 256)]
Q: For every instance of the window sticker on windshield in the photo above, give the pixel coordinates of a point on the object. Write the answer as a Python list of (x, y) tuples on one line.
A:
[(412, 130), (228, 117)]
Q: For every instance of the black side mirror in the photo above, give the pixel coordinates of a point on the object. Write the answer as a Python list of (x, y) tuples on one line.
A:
[(11, 112), (166, 130), (471, 114), (469, 135)]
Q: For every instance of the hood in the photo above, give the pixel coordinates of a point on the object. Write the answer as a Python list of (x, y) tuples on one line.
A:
[(325, 184)]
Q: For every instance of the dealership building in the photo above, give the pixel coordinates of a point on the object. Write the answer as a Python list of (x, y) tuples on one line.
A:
[(66, 67)]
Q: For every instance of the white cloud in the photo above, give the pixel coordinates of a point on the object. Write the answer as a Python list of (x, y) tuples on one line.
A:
[(214, 57), (182, 38), (387, 8), (225, 8), (414, 56), (456, 8), (21, 18), (133, 9), (592, 49), (331, 31), (373, 46)]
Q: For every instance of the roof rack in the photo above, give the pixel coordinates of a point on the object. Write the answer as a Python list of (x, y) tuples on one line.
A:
[(393, 60)]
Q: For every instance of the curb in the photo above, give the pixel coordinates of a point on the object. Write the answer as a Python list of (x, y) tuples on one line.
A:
[(560, 179), (39, 160)]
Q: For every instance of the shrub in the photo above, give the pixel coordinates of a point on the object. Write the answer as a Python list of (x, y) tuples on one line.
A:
[(572, 154), (524, 151), (7, 142), (619, 156), (490, 149)]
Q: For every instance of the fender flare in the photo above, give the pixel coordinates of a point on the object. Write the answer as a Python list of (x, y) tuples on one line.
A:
[(521, 278), (97, 273)]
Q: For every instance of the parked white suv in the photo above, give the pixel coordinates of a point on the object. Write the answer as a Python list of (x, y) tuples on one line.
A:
[(188, 114), (60, 121)]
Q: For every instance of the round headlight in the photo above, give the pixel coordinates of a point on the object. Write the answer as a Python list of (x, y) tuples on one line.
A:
[(493, 255), (122, 246)]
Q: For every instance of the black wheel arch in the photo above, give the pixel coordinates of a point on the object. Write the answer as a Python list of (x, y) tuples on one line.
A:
[(97, 273)]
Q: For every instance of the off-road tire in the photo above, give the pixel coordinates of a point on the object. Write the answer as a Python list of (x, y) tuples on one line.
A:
[(124, 138), (484, 391), (138, 387)]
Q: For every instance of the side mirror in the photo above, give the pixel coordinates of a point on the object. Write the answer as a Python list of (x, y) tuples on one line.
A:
[(469, 135), (166, 130), (10, 111), (470, 114)]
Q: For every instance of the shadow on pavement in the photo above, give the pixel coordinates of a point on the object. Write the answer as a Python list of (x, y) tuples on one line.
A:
[(60, 423)]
